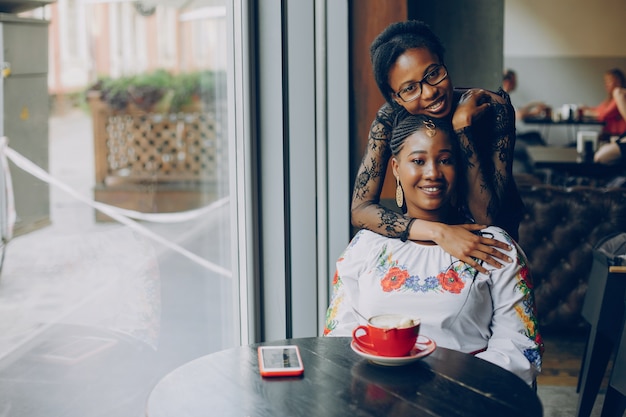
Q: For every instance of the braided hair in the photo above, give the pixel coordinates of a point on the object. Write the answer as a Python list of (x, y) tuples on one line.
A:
[(412, 123), (395, 40)]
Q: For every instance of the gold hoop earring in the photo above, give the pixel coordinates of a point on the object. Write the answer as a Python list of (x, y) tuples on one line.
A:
[(430, 128), (399, 193)]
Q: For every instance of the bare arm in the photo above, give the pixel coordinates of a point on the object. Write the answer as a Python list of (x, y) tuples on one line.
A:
[(458, 240), (619, 95)]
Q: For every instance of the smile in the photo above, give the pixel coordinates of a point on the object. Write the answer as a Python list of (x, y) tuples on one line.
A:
[(432, 189), (436, 106)]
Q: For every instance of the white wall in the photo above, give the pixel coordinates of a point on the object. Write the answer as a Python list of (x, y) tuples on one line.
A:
[(560, 50), (564, 28)]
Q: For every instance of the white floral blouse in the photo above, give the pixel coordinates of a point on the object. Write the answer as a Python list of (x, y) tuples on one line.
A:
[(492, 314)]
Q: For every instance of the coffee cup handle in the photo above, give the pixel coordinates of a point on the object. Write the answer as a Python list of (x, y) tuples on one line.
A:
[(359, 341)]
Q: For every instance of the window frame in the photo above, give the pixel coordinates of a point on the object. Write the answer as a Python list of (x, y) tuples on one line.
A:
[(301, 131)]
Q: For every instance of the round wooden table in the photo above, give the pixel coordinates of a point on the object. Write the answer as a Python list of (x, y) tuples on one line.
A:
[(338, 382)]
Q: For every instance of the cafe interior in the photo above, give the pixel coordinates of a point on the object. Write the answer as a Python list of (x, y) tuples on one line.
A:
[(150, 245)]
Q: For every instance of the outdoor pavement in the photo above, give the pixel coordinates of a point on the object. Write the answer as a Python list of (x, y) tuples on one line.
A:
[(92, 314)]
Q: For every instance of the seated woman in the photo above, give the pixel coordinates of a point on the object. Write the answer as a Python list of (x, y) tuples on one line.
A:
[(607, 111), (614, 152), (491, 315)]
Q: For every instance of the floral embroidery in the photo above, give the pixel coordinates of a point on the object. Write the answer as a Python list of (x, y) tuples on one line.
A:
[(525, 276), (450, 281), (331, 322), (430, 283), (331, 312), (352, 243), (355, 240), (527, 312), (396, 277)]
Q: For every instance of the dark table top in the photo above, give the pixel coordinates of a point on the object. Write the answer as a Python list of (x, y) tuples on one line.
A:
[(546, 121), (552, 154), (566, 159), (338, 382)]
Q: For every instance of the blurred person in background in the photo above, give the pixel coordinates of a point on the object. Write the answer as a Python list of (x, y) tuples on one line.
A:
[(535, 109), (614, 152), (607, 111)]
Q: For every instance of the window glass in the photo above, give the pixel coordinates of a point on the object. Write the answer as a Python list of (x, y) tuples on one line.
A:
[(119, 269)]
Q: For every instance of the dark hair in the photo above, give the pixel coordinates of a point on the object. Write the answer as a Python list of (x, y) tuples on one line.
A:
[(412, 123), (617, 73), (392, 42), (509, 74)]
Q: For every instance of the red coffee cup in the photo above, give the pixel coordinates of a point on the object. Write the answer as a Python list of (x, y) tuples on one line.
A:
[(388, 335)]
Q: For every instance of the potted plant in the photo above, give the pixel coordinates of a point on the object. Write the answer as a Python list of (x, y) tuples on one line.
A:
[(158, 91)]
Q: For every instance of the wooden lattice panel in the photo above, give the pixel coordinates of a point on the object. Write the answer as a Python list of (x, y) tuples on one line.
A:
[(162, 146)]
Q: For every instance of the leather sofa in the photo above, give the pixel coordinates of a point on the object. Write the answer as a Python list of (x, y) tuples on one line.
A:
[(559, 229)]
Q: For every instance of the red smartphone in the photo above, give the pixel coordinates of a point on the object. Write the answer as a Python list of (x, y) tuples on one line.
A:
[(280, 360)]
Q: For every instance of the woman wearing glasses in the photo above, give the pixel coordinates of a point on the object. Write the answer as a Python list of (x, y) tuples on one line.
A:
[(408, 65)]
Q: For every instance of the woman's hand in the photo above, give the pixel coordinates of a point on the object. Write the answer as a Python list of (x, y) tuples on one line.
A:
[(472, 106), (460, 242)]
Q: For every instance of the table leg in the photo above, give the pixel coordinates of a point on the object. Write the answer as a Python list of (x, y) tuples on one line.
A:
[(614, 403), (598, 352)]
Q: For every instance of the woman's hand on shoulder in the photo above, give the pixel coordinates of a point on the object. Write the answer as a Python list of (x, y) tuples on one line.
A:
[(463, 243), (472, 105)]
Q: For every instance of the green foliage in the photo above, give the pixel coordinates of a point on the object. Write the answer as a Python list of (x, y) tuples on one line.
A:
[(158, 91), (185, 87)]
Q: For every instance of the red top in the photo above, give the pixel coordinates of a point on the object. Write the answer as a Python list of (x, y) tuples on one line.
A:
[(614, 123)]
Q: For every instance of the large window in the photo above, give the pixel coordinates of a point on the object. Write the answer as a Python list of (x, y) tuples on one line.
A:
[(198, 192), (97, 303)]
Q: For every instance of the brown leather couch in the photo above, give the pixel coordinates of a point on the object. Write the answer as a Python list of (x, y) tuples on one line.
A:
[(557, 233)]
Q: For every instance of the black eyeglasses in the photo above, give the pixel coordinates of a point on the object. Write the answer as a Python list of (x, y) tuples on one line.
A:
[(414, 90)]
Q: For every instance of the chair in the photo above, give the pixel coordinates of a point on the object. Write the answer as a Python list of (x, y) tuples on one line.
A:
[(604, 301), (615, 399)]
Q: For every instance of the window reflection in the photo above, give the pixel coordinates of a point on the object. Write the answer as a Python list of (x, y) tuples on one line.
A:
[(98, 305)]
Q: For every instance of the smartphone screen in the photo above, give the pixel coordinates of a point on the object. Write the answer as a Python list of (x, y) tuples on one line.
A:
[(280, 360)]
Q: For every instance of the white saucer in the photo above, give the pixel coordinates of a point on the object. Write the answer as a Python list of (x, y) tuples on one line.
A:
[(423, 347)]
